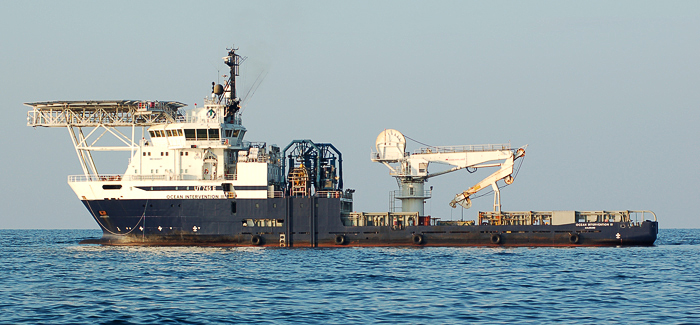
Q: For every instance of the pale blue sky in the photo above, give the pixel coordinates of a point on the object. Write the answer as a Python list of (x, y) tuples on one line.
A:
[(605, 93)]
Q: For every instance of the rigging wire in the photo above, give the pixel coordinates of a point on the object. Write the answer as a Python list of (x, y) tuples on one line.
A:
[(258, 81), (414, 140)]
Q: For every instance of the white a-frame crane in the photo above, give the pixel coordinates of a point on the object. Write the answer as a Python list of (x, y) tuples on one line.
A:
[(411, 169)]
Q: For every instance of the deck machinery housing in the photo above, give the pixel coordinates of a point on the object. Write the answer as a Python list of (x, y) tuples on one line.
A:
[(192, 179)]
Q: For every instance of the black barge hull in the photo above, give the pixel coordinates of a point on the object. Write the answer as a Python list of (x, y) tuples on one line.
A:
[(316, 222)]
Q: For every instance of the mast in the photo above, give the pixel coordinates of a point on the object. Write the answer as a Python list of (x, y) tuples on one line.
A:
[(233, 60)]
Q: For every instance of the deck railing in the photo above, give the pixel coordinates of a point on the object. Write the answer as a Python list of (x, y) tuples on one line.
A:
[(466, 148), (118, 178), (329, 194)]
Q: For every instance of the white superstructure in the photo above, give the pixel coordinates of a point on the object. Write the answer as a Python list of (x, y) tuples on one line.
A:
[(175, 153)]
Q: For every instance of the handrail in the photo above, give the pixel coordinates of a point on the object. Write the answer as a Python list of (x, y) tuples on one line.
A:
[(117, 178), (642, 212), (198, 119), (398, 194), (329, 194), (463, 148)]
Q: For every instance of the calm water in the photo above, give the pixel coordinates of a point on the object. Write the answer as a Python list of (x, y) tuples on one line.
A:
[(47, 278)]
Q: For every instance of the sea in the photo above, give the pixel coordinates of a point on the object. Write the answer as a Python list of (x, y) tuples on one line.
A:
[(48, 278)]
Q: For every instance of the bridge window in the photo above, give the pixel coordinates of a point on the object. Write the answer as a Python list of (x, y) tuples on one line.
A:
[(231, 133), (157, 133), (213, 134), (201, 134)]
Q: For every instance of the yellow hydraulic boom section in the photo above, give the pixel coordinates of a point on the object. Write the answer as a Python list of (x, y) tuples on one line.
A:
[(505, 173)]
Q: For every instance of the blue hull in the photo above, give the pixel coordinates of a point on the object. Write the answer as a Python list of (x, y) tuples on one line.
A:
[(316, 222)]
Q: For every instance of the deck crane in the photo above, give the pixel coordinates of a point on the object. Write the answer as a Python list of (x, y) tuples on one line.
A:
[(411, 169)]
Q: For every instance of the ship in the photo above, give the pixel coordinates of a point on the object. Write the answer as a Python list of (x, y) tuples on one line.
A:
[(192, 179)]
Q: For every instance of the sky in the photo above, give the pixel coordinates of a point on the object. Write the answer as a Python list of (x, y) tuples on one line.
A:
[(604, 93)]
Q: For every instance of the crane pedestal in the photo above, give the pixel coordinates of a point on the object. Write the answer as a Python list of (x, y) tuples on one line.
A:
[(413, 196)]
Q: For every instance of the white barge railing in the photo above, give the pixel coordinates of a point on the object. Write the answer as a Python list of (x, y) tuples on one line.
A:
[(631, 217)]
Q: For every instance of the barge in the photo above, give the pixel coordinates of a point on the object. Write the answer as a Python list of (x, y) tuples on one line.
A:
[(192, 179)]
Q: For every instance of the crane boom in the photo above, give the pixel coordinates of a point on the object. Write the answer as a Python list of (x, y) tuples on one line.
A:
[(504, 173), (411, 169)]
